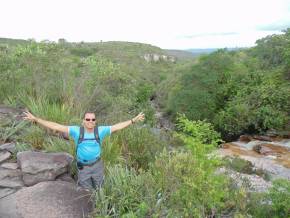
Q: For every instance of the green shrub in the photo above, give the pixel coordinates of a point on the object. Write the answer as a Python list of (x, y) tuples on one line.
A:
[(188, 189), (274, 203), (187, 180), (138, 145), (126, 193), (197, 131), (10, 130), (111, 152), (34, 136), (280, 197), (52, 111), (144, 92)]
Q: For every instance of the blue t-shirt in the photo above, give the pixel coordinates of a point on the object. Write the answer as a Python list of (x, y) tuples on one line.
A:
[(89, 150)]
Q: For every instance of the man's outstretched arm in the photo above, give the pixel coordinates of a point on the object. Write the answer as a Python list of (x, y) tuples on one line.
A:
[(122, 125), (45, 123)]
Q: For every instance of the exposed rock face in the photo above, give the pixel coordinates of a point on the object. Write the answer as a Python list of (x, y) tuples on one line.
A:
[(4, 155), (253, 183), (8, 147), (37, 166), (272, 157), (270, 149), (51, 191), (11, 178), (51, 199), (158, 57)]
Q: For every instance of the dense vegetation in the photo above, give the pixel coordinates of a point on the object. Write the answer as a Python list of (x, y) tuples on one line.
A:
[(244, 91), (217, 96)]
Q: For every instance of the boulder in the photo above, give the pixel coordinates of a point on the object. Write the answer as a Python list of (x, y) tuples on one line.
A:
[(270, 149), (245, 138), (51, 199), (65, 177), (4, 155), (8, 147), (6, 191), (12, 166), (10, 181), (263, 138), (39, 166), (10, 178)]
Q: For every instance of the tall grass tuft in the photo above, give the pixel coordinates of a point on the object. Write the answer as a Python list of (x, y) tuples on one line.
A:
[(53, 111), (126, 193), (139, 146)]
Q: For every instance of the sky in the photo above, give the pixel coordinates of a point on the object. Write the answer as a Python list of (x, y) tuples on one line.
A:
[(168, 24)]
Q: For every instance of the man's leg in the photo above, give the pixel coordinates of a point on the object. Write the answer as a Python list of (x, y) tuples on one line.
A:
[(97, 176), (91, 177)]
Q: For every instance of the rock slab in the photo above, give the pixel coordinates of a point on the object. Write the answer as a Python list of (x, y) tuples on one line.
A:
[(39, 166), (57, 199)]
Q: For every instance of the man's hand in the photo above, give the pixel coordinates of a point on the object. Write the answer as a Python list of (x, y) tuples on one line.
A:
[(139, 117), (29, 116), (122, 125)]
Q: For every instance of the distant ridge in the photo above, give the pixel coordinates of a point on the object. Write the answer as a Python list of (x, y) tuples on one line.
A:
[(12, 41), (199, 51), (180, 54)]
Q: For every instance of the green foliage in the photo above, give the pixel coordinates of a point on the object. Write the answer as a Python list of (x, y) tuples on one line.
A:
[(34, 136), (280, 197), (111, 152), (239, 92), (188, 187), (138, 146), (144, 92), (56, 144), (197, 131), (188, 182), (274, 203), (9, 131), (126, 194), (261, 106), (45, 109)]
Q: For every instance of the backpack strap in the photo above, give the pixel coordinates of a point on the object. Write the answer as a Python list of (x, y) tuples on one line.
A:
[(96, 131), (82, 133), (81, 136)]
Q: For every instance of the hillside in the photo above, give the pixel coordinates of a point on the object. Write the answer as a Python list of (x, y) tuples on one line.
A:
[(154, 168)]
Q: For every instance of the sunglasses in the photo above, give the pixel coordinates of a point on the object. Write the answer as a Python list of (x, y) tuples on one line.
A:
[(87, 119)]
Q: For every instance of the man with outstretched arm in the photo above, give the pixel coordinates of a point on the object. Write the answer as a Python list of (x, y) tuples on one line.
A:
[(88, 139)]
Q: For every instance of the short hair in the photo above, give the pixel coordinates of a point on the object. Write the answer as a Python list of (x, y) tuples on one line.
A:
[(88, 112)]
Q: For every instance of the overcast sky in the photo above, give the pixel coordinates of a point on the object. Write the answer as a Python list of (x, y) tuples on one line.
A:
[(168, 24)]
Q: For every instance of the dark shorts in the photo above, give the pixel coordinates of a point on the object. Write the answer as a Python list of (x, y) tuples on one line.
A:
[(91, 177)]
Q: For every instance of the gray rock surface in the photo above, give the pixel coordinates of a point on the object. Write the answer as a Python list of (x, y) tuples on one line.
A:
[(12, 166), (8, 147), (253, 183), (6, 191), (10, 178), (65, 177), (38, 166), (57, 199), (4, 155)]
